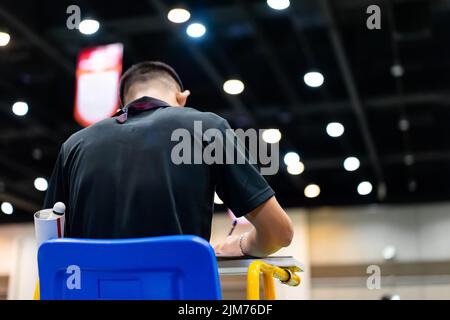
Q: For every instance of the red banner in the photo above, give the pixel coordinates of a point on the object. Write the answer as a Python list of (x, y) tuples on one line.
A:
[(97, 86)]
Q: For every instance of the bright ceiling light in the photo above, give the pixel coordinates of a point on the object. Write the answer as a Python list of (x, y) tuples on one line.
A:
[(351, 164), (271, 135), (409, 159), (233, 86), (20, 108), (313, 79), (7, 208), (41, 184), (89, 26), (365, 188), (397, 70), (312, 191), (335, 129), (195, 30), (296, 168), (278, 4), (4, 39), (178, 15), (403, 124), (291, 158), (217, 200)]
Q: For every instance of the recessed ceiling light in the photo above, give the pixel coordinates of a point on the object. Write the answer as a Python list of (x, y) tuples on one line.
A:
[(313, 79), (89, 26), (41, 184), (296, 168), (278, 4), (335, 129), (397, 71), (178, 15), (271, 135), (196, 30), (37, 154), (7, 208), (365, 188), (409, 159), (312, 191), (412, 185), (20, 108), (233, 86), (291, 158), (403, 124), (351, 164), (4, 39)]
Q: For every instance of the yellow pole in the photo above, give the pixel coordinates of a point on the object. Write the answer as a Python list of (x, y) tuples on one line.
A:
[(253, 281), (269, 287), (285, 275), (37, 295)]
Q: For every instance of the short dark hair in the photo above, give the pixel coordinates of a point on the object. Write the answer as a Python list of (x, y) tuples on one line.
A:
[(145, 71)]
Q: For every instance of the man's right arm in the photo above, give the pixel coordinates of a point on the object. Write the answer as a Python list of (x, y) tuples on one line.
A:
[(272, 230), (244, 190)]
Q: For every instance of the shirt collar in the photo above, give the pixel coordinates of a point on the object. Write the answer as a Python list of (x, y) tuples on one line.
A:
[(142, 104)]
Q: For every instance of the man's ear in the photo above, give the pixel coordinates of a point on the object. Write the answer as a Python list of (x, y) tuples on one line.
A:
[(182, 97)]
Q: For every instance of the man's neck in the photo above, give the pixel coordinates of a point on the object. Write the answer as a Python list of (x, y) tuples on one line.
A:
[(156, 95)]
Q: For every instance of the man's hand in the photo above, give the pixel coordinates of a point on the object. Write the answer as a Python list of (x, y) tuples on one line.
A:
[(229, 247), (272, 230)]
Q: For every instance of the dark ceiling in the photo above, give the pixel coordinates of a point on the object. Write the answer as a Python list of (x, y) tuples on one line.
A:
[(270, 51)]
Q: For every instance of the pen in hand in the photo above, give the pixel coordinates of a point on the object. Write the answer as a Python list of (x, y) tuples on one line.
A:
[(228, 248), (232, 228)]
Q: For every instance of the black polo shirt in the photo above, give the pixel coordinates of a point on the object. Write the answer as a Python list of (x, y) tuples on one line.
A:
[(118, 180)]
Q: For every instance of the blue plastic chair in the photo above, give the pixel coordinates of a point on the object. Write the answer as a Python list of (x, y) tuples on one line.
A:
[(172, 267)]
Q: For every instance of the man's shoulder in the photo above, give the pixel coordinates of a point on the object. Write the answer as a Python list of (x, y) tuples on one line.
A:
[(88, 132), (176, 116)]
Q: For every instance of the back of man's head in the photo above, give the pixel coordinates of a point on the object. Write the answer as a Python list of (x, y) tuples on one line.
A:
[(148, 75)]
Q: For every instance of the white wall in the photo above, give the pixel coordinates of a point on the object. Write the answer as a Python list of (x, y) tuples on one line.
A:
[(357, 236), (18, 259), (9, 233), (24, 275), (408, 288)]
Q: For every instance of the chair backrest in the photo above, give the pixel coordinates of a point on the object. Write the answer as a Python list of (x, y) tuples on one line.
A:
[(171, 267)]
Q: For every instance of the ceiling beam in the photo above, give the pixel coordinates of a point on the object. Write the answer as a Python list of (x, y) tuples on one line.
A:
[(273, 62), (355, 100), (46, 48), (381, 103), (19, 202)]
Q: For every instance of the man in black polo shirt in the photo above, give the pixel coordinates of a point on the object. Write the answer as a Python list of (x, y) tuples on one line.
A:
[(118, 179)]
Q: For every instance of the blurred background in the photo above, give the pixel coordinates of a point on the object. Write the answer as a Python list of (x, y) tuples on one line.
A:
[(358, 100)]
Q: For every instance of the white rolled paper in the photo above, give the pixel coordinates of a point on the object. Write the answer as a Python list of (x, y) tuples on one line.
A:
[(49, 223)]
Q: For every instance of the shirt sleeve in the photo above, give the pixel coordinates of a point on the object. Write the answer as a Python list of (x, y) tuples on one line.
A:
[(240, 185), (57, 188)]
